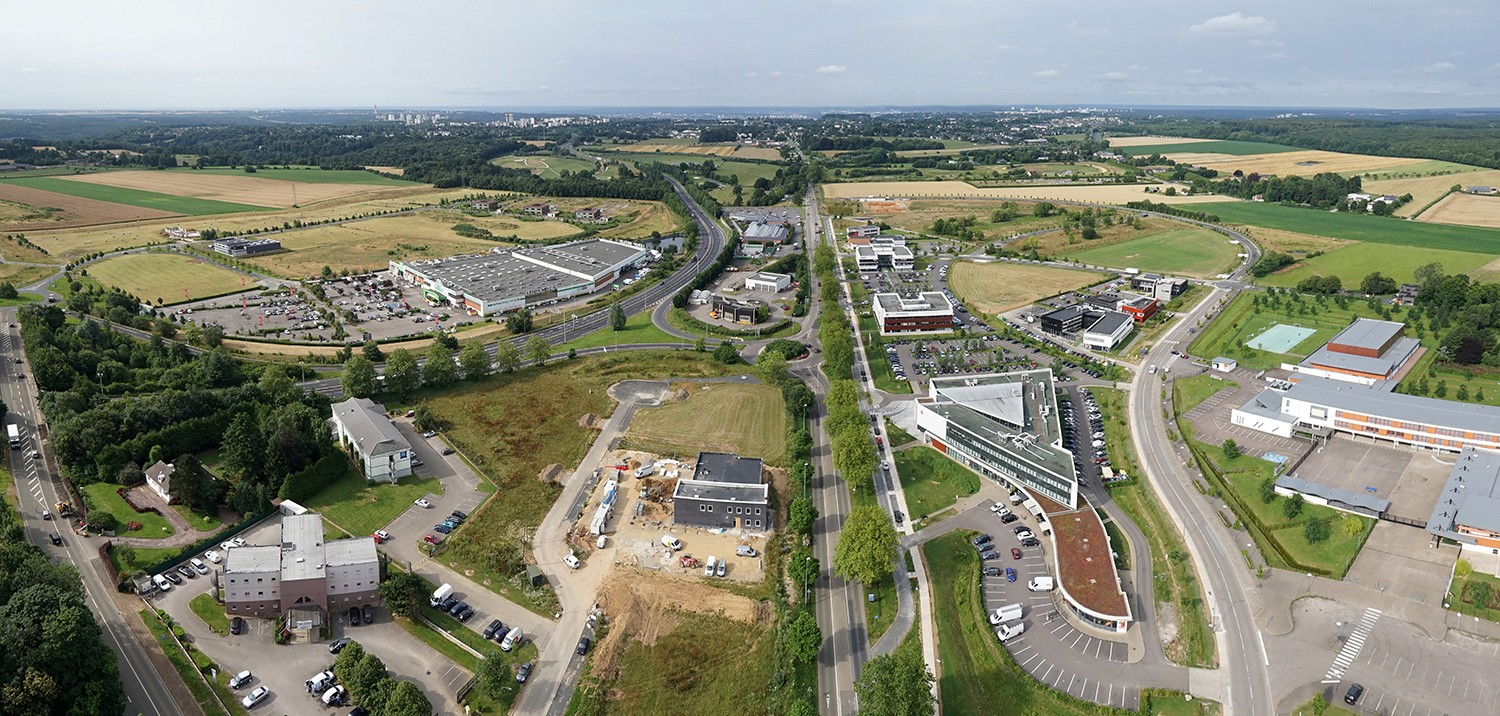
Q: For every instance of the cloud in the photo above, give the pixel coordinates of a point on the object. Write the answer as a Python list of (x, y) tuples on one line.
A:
[(1113, 76), (1275, 56), (29, 69), (1004, 47), (1234, 23), (1438, 67), (1047, 73), (832, 70)]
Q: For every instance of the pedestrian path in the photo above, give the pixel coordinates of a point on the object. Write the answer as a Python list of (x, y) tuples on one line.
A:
[(1352, 645)]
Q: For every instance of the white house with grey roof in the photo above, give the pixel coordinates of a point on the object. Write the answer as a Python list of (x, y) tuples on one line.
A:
[(361, 427)]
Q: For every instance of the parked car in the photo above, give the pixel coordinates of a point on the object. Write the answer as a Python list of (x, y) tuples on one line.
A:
[(745, 550), (723, 566), (415, 462), (572, 561), (433, 539), (1031, 542), (1010, 574), (254, 697), (1009, 519), (447, 451), (523, 673), (991, 571), (1015, 553), (213, 556), (354, 618), (982, 540), (241, 680), (583, 646), (237, 626), (423, 503), (176, 579), (460, 514), (198, 565), (442, 527), (339, 645), (369, 614), (494, 627), (160, 581)]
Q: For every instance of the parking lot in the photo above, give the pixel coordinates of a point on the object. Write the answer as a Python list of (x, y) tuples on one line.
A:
[(1211, 419)]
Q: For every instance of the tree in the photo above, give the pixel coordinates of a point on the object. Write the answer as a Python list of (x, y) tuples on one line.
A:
[(1231, 449), (424, 419), (854, 457), (1481, 593), (1267, 491), (243, 446), (538, 350), (726, 354), (771, 367), (192, 485), (1462, 568), (8, 290), (803, 638), (358, 378), (867, 544), (494, 675), (407, 699), (799, 398), (1376, 284), (404, 593), (365, 676), (700, 345), (1351, 525), (519, 322), (896, 684), (473, 362), (402, 376), (344, 663), (372, 351), (801, 515), (438, 370), (507, 357), (125, 553), (617, 317), (1316, 530), (1293, 507)]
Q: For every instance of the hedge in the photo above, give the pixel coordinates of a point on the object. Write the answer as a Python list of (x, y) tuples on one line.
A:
[(302, 485)]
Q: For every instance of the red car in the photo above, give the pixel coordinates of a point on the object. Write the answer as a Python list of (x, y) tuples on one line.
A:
[(1015, 553), (433, 539)]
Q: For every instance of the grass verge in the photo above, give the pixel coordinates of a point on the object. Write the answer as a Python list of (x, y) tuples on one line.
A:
[(931, 481), (361, 508), (187, 667), (880, 367), (210, 612)]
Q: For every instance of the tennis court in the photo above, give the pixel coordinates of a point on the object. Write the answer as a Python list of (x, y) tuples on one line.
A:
[(1280, 338)]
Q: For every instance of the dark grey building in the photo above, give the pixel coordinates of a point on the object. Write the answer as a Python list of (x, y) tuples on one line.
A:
[(725, 491), (1063, 320), (238, 248)]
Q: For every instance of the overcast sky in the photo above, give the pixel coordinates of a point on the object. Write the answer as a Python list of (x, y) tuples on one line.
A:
[(109, 54)]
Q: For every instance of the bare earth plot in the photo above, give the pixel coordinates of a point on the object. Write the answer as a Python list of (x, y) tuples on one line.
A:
[(1305, 163), (1466, 209), (73, 210), (162, 278), (1107, 194), (1001, 286), (1425, 190), (1151, 141), (236, 189)]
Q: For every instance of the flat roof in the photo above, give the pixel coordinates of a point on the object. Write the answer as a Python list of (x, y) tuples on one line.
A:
[(1002, 401), (1471, 496), (1365, 501), (768, 277), (1036, 397), (1413, 408), (1384, 365), (1266, 404), (1065, 313), (924, 302), (252, 558), (1110, 322), (725, 467), (1221, 360), (1085, 566), (508, 273), (1368, 333), (722, 492), (302, 546), (357, 550), (762, 230)]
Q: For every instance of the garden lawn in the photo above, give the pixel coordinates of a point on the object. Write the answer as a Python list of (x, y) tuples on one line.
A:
[(136, 197), (1353, 262), (202, 523), (931, 481), (102, 497), (1358, 227), (1189, 252), (211, 612), (1465, 589), (360, 507), (145, 557)]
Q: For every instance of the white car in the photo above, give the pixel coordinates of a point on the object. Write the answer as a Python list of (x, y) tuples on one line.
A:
[(238, 541), (383, 535), (1024, 535), (213, 556), (423, 503), (241, 679), (199, 566), (256, 696), (572, 561)]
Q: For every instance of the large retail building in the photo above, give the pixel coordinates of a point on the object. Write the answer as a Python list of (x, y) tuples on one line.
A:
[(514, 278)]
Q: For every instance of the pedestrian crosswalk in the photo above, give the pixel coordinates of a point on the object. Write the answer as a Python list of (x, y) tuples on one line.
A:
[(1352, 645)]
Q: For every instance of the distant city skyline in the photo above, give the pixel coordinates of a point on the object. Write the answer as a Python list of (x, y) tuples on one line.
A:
[(779, 53)]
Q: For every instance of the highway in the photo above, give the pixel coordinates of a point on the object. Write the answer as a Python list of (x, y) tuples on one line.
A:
[(37, 489)]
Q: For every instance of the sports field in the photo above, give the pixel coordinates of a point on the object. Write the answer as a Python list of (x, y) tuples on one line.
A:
[(1466, 210), (162, 278), (1353, 262), (1104, 194), (1202, 146), (746, 419), (1286, 162), (1000, 286), (1188, 252), (1279, 338), (1357, 227), (86, 187), (309, 175), (245, 189), (1239, 322)]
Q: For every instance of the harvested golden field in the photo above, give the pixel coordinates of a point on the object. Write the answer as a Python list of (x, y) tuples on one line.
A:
[(67, 211), (1117, 142), (1104, 194), (1304, 163), (1000, 286), (713, 150), (373, 244), (236, 189), (1057, 243), (19, 276), (767, 153), (1290, 242), (395, 171), (1425, 190), (1465, 209)]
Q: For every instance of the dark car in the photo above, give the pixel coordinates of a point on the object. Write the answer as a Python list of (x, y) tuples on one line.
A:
[(982, 539), (448, 604), (1031, 542), (583, 646), (1355, 691), (494, 626), (460, 514), (523, 673), (1010, 574), (186, 571), (339, 645), (447, 451), (1009, 518), (900, 517), (1018, 529), (442, 527), (987, 556), (369, 614), (354, 619), (57, 539), (237, 626), (169, 574), (991, 571), (359, 711)]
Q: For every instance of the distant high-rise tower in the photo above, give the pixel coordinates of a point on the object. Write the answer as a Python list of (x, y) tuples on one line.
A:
[(510, 118)]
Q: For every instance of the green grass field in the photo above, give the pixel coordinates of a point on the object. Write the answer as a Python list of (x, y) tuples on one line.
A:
[(307, 175), (144, 557), (102, 497), (162, 278), (211, 612), (1240, 321), (1216, 146), (361, 508), (1353, 262), (745, 419), (931, 481), (136, 197), (708, 665), (1191, 252), (638, 329), (1357, 227), (544, 166)]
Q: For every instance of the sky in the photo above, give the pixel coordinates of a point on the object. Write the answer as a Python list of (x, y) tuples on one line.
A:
[(210, 54)]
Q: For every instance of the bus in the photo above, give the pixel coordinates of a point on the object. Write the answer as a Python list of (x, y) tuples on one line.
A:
[(14, 433)]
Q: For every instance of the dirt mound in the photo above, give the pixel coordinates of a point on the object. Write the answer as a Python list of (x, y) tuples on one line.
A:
[(675, 396), (552, 474), (590, 421), (641, 606)]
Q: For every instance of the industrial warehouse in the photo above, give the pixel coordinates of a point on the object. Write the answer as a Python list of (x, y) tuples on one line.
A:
[(511, 279)]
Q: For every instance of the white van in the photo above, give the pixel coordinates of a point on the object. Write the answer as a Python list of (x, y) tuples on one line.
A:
[(671, 542), (1040, 584), (440, 594), (1007, 613), (708, 567), (1006, 632), (161, 583), (572, 561), (512, 638), (646, 470)]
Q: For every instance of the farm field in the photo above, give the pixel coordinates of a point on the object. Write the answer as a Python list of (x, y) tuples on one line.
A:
[(1286, 161), (716, 150), (1465, 210), (546, 167), (1190, 252), (1357, 227), (918, 215), (233, 188), (1104, 194), (1353, 262), (1151, 141), (372, 244), (746, 419), (1427, 189), (162, 278), (1291, 242), (1230, 147), (19, 276), (23, 203), (1001, 286), (307, 175), (86, 187)]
